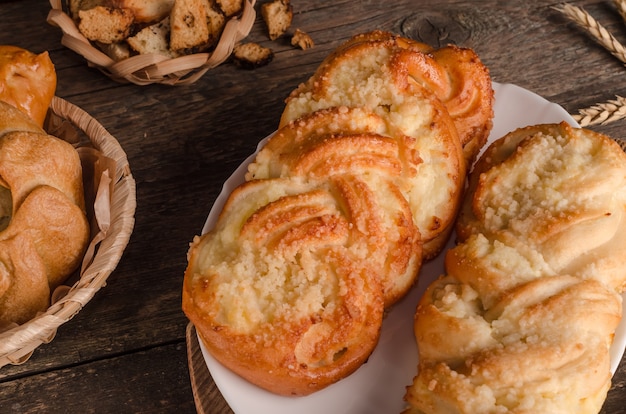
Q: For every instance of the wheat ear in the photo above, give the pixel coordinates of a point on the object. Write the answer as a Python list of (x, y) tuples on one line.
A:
[(595, 29), (602, 113)]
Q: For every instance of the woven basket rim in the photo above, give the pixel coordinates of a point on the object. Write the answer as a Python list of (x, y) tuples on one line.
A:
[(17, 344), (147, 69)]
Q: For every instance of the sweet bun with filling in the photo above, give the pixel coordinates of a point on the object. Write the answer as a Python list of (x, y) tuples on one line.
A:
[(525, 315)]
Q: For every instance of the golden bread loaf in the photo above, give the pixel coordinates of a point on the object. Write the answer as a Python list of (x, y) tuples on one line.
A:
[(27, 81), (340, 206), (524, 317), (282, 291), (455, 75), (43, 226)]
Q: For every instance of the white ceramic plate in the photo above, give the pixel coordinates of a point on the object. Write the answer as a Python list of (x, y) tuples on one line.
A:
[(379, 385)]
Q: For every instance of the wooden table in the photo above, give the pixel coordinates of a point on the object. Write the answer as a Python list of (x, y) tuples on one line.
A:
[(126, 351)]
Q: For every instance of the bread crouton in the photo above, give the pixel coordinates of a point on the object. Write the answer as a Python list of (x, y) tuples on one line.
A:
[(153, 39), (216, 21), (104, 24), (189, 25), (302, 40), (277, 15), (252, 55), (74, 6), (230, 7)]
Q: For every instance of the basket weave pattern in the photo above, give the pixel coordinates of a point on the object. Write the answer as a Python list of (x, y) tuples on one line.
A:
[(17, 344), (152, 68)]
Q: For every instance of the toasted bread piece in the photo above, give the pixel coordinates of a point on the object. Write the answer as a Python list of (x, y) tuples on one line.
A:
[(252, 55), (302, 40), (216, 21), (153, 39), (104, 24), (230, 7), (75, 6), (277, 15), (189, 25)]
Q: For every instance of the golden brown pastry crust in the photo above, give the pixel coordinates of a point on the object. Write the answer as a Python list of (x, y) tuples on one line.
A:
[(365, 74), (455, 75), (282, 290), (27, 81), (523, 320), (24, 287), (357, 143), (46, 229)]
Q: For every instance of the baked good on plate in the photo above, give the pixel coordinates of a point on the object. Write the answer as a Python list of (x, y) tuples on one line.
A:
[(282, 291), (358, 143), (455, 75), (524, 317), (384, 73), (339, 208)]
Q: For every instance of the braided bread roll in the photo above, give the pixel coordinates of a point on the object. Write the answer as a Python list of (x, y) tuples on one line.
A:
[(356, 142), (523, 320), (43, 225), (455, 75), (283, 291)]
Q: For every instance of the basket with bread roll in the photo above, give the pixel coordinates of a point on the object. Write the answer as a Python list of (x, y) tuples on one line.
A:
[(67, 204), (173, 42)]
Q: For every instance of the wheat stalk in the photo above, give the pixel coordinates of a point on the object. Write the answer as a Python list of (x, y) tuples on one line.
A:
[(595, 29), (602, 113)]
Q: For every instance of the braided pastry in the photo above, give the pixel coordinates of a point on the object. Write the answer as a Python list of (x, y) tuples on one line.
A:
[(523, 320), (378, 69), (283, 291), (43, 226), (343, 141), (418, 93)]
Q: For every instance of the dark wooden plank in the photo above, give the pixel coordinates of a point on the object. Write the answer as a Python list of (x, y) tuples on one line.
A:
[(154, 380)]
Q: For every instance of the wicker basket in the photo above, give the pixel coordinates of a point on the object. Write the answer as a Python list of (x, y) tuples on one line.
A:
[(152, 68), (114, 189)]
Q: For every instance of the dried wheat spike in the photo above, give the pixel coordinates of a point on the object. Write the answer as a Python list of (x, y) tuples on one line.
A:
[(595, 29), (602, 113)]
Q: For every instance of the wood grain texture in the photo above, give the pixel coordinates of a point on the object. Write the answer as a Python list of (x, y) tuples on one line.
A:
[(127, 349)]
